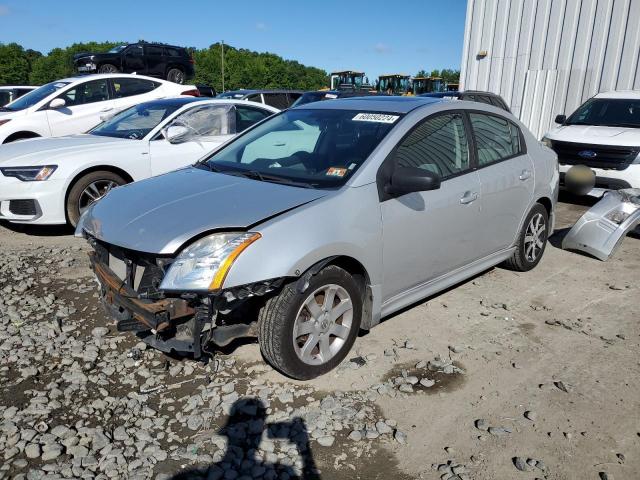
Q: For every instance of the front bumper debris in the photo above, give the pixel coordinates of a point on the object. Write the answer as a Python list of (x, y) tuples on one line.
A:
[(157, 316), (601, 230)]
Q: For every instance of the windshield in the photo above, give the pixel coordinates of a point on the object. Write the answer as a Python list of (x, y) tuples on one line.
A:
[(607, 112), (135, 122), (34, 96), (117, 49), (305, 147)]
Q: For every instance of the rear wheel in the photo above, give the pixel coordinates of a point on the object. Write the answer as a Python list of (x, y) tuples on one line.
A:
[(175, 75), (304, 335), (88, 190), (108, 68), (532, 240)]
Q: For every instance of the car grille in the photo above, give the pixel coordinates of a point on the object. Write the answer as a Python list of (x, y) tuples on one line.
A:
[(606, 157), (22, 207), (138, 270)]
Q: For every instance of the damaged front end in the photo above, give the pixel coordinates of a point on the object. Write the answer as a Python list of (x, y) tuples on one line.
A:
[(600, 231), (172, 321)]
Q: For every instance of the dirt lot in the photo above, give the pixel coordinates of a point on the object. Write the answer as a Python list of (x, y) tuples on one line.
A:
[(508, 375)]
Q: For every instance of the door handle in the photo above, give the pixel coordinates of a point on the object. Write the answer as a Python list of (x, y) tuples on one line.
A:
[(469, 197), (525, 175), (279, 144), (106, 109)]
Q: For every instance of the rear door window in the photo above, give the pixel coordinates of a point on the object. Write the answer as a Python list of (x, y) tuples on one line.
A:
[(277, 100), (153, 50), (496, 138), (439, 144), (127, 87), (248, 116), (88, 92)]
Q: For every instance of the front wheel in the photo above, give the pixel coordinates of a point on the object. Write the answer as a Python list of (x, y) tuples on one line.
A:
[(88, 190), (307, 334), (175, 75), (108, 68), (532, 240)]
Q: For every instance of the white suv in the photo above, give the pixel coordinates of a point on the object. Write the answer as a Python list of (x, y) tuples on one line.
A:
[(603, 134), (74, 105)]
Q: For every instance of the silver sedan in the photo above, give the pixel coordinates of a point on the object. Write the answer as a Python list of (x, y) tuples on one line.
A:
[(318, 223)]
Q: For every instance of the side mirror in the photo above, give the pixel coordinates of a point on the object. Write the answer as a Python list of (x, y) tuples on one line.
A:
[(57, 103), (560, 119), (177, 134), (107, 116), (411, 179)]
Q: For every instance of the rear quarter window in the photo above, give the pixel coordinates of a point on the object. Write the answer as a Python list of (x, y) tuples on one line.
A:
[(496, 138)]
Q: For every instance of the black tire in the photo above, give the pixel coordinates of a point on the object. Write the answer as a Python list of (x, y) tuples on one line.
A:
[(108, 68), (277, 318), (78, 188), (175, 75), (521, 260)]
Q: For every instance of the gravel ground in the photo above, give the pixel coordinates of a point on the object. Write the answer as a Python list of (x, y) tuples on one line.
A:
[(508, 375)]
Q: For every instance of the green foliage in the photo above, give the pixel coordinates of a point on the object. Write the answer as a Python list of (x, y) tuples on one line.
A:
[(58, 63), (448, 75), (247, 69), (14, 64), (243, 68)]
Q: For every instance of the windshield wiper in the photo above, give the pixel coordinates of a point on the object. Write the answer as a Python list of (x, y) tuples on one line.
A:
[(265, 177)]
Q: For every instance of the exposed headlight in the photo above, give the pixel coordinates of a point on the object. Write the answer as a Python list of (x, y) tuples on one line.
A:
[(29, 174), (203, 265), (618, 216), (546, 142)]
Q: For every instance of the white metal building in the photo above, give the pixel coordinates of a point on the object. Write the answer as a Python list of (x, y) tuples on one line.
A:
[(546, 57)]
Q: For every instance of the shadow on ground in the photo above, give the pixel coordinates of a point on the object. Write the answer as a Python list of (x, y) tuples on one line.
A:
[(244, 430)]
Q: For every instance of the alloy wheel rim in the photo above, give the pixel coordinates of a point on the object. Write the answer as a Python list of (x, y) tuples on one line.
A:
[(534, 238), (323, 324), (94, 192), (178, 77)]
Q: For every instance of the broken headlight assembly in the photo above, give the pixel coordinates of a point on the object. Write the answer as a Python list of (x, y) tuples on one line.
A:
[(203, 265), (619, 216), (29, 174)]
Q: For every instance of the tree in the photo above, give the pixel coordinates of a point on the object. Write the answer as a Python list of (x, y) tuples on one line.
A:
[(14, 64), (58, 63)]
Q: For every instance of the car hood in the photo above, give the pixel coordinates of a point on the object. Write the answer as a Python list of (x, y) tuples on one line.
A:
[(594, 135), (160, 214), (43, 151)]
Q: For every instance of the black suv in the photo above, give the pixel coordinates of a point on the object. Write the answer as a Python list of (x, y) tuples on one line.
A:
[(154, 59)]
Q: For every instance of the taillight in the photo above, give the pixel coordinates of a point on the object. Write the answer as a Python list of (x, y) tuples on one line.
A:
[(192, 61), (194, 92)]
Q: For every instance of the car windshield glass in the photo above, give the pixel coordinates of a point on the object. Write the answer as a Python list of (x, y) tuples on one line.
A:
[(34, 96), (135, 122), (305, 147), (608, 112), (117, 49)]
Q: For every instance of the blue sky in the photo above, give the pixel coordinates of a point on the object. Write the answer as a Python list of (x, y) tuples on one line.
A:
[(376, 36)]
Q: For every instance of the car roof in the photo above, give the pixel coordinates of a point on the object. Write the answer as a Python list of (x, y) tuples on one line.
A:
[(390, 104), (186, 100), (248, 91), (630, 94), (98, 76)]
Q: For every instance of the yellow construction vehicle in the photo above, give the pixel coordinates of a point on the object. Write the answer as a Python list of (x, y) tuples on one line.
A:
[(349, 80), (428, 85), (394, 84)]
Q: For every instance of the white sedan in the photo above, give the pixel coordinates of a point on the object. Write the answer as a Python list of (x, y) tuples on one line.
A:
[(52, 180), (76, 104)]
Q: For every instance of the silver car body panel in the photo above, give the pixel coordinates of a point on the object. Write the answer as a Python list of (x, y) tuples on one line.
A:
[(313, 225), (160, 214), (596, 233)]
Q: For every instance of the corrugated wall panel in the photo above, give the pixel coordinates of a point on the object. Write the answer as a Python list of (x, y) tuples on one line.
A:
[(548, 56)]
